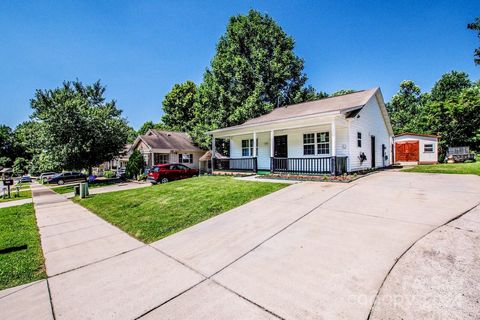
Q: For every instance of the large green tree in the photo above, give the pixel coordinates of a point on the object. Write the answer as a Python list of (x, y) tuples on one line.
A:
[(132, 135), (308, 94), (405, 108), (150, 125), (29, 137), (476, 27), (456, 119), (254, 70), (6, 144), (20, 165), (449, 85), (342, 92), (82, 129), (178, 106)]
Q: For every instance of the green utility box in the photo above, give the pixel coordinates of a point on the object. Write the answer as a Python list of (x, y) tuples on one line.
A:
[(83, 190)]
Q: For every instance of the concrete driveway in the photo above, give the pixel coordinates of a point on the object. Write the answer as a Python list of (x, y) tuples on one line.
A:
[(309, 251)]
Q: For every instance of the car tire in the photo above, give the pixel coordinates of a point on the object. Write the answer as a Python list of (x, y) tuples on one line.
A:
[(61, 182), (164, 180)]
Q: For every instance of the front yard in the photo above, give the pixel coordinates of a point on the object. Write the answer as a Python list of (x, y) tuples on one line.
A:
[(457, 168), (21, 258), (152, 213)]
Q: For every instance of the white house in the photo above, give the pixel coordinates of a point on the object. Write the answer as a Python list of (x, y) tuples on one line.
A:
[(158, 146), (411, 148), (333, 135)]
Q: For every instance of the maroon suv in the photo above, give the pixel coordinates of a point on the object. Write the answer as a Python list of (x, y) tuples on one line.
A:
[(162, 173)]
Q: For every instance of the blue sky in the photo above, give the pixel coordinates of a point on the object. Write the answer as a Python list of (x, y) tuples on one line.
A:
[(140, 49)]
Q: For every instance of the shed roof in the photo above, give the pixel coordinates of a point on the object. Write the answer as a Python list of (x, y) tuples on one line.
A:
[(416, 135)]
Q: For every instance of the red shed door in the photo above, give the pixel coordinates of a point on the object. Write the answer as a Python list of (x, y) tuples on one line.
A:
[(406, 151)]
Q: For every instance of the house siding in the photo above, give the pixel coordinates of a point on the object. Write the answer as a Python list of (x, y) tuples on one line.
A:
[(370, 123)]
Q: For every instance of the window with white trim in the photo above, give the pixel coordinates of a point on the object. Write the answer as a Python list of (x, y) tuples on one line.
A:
[(359, 139), (316, 143), (323, 143), (247, 148), (308, 143), (428, 147), (185, 158)]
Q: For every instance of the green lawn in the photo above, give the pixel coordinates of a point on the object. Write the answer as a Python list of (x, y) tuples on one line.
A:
[(67, 189), (459, 168), (155, 212), (17, 230), (24, 194)]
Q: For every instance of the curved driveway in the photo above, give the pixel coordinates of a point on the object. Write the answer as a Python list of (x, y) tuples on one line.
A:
[(309, 251)]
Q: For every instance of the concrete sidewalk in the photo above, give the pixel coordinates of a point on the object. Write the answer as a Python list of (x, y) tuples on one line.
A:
[(309, 251)]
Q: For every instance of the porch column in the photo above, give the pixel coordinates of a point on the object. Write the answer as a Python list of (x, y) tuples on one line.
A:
[(255, 151), (334, 139), (254, 144), (333, 168), (272, 141)]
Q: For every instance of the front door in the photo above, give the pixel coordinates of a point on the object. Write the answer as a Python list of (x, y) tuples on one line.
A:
[(280, 150), (373, 151)]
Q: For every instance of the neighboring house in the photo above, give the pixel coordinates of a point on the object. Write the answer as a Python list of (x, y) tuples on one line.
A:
[(116, 165), (119, 163), (159, 147), (411, 148), (332, 135)]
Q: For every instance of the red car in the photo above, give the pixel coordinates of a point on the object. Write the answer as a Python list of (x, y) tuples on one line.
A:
[(162, 173)]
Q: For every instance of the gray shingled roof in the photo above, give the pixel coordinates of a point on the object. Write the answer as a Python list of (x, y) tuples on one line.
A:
[(169, 140), (338, 103)]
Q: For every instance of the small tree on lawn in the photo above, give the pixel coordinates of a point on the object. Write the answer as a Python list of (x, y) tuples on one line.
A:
[(135, 165)]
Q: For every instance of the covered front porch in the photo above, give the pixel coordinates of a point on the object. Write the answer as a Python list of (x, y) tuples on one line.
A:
[(316, 147)]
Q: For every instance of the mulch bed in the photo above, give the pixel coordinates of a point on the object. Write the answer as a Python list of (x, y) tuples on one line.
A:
[(345, 178)]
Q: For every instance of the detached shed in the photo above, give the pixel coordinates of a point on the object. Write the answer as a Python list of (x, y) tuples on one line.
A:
[(411, 148)]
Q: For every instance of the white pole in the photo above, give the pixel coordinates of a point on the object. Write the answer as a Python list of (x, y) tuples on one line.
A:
[(254, 144), (272, 142), (334, 139), (213, 147)]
